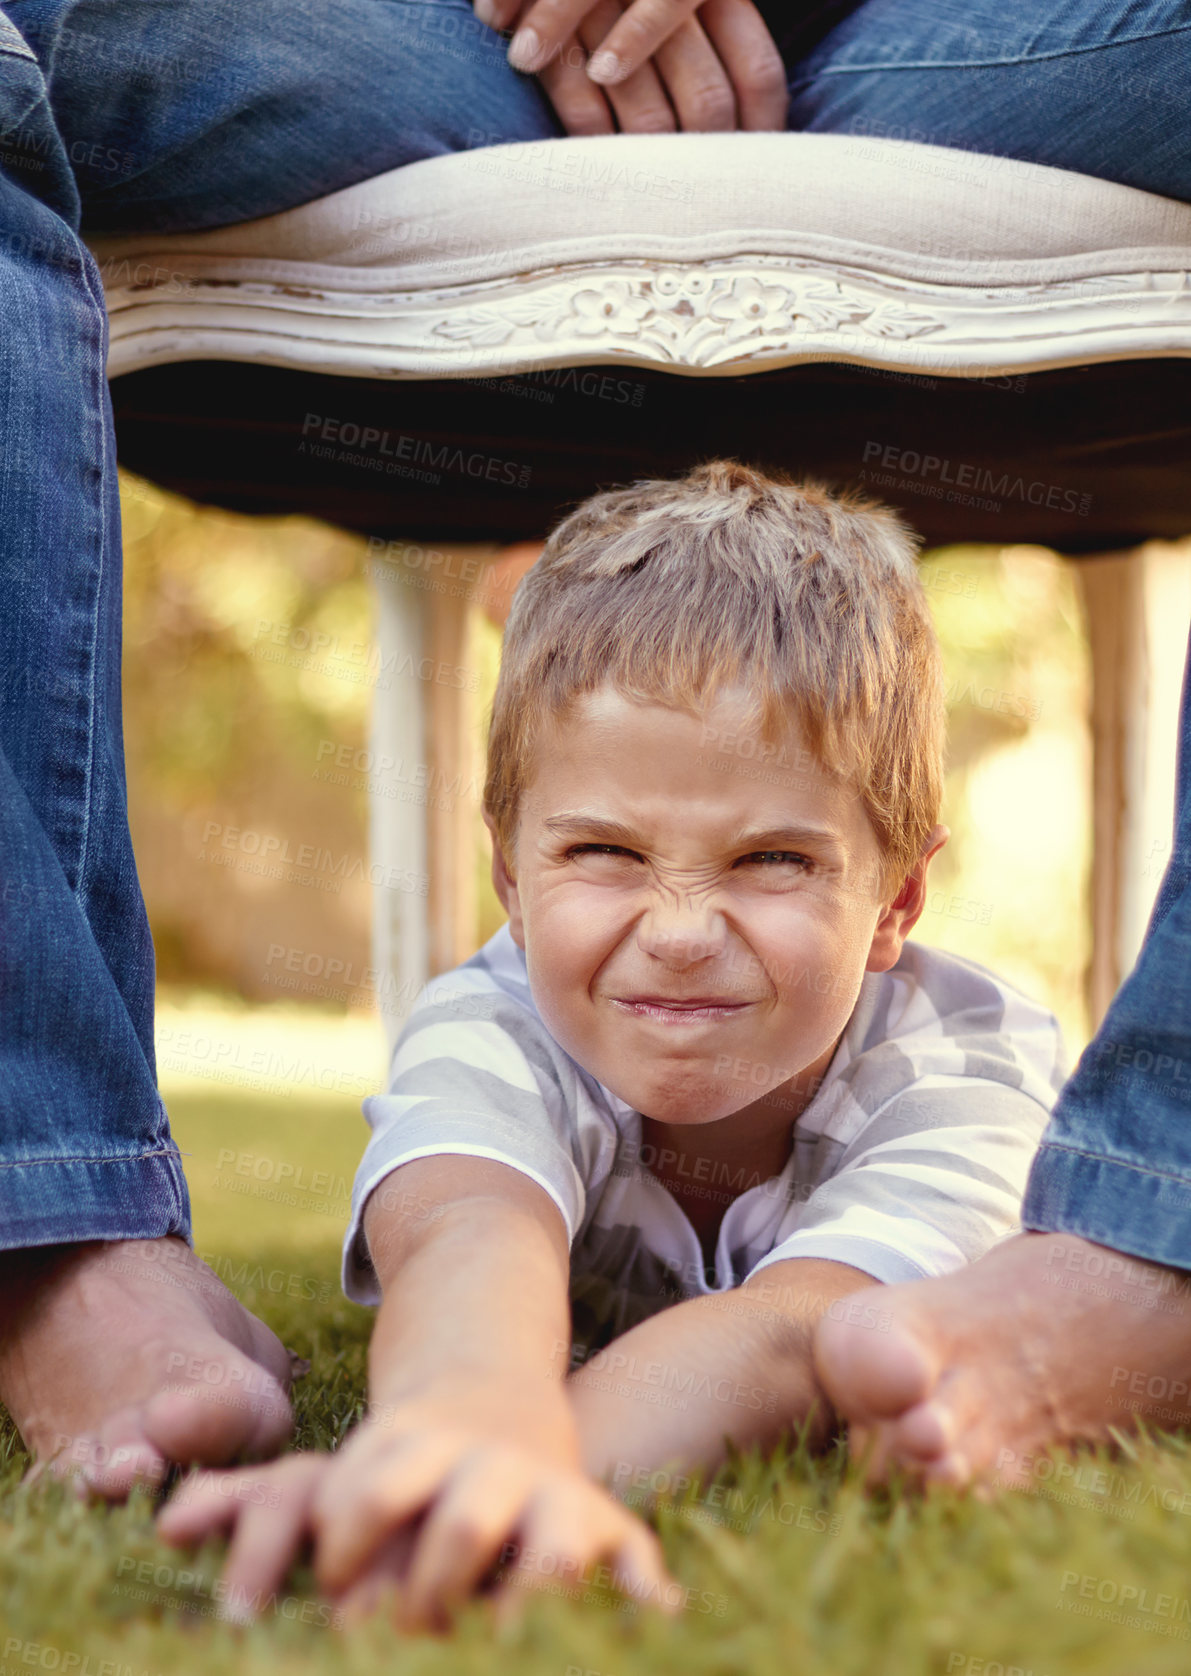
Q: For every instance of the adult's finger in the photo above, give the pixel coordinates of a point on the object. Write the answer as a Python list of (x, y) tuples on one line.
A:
[(696, 80), (750, 57), (640, 102), (579, 104), (634, 38), (497, 14), (543, 29)]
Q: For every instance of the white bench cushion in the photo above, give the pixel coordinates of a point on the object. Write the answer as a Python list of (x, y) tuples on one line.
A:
[(700, 253)]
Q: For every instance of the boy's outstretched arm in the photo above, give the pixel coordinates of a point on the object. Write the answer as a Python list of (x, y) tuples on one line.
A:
[(470, 1442), (732, 1365)]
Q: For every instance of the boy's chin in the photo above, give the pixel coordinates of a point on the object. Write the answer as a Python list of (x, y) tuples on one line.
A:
[(670, 1105)]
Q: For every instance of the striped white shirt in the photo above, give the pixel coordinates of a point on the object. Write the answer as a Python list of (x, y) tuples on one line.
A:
[(910, 1160)]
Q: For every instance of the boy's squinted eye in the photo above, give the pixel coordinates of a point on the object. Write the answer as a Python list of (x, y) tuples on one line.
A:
[(598, 849), (759, 857), (802, 862)]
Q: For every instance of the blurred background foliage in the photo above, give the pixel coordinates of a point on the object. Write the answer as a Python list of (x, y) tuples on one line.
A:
[(248, 663), (227, 704)]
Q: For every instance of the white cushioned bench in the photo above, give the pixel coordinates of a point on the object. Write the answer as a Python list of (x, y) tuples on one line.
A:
[(703, 254), (413, 311)]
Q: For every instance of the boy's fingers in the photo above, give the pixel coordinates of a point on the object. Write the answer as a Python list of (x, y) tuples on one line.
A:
[(203, 1505), (552, 1563), (751, 58), (208, 1503), (352, 1518), (564, 1536), (460, 1541), (269, 1538), (640, 1567), (386, 1574)]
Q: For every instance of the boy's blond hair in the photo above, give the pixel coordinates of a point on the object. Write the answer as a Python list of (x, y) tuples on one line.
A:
[(673, 590)]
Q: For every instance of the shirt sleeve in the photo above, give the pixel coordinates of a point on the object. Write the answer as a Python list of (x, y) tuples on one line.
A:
[(474, 1073), (932, 1181)]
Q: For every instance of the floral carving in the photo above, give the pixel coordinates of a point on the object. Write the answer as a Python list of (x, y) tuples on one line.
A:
[(748, 308), (744, 312), (611, 307), (699, 316)]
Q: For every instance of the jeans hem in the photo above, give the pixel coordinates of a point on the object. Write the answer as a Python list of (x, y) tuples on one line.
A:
[(63, 1201), (1112, 1202)]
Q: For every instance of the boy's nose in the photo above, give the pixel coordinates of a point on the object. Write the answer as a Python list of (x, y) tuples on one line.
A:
[(682, 933)]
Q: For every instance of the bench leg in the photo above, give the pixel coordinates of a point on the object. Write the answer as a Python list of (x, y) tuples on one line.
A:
[(1138, 607), (427, 753)]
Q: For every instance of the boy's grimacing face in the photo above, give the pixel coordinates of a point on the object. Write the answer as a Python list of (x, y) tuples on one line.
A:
[(696, 921)]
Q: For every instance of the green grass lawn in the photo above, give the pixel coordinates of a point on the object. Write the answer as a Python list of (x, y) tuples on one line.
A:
[(792, 1570)]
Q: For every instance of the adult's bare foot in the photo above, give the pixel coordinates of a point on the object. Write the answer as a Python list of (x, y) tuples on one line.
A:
[(1048, 1340), (120, 1357)]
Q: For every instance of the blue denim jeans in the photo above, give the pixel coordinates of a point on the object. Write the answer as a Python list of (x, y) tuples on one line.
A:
[(119, 115), (1089, 85), (1115, 1160)]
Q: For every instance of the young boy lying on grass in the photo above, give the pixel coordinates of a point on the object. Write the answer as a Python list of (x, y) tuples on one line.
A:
[(697, 1091)]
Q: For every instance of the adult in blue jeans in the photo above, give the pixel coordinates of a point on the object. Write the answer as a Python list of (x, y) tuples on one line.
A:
[(119, 1350)]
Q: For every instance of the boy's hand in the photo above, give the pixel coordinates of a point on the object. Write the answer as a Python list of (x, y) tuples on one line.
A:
[(469, 1458), (425, 1504), (475, 1496)]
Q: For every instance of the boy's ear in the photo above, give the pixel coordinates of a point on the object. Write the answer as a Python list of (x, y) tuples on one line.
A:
[(505, 885), (901, 915)]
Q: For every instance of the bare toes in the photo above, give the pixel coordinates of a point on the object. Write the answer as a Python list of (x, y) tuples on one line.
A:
[(247, 1413), (921, 1436), (112, 1461), (872, 1374)]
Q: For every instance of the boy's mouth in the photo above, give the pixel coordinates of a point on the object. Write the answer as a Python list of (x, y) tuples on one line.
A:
[(689, 1009)]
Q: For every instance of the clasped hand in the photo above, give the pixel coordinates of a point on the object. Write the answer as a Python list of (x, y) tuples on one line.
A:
[(647, 66)]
